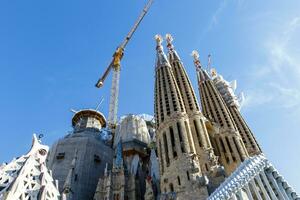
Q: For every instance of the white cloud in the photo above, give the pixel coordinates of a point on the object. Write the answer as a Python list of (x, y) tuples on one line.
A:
[(256, 97), (281, 71), (215, 16)]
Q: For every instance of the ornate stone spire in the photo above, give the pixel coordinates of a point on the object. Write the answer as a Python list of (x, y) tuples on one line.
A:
[(199, 132), (173, 136), (227, 91), (228, 144), (172, 52), (161, 57), (201, 73), (167, 98), (182, 79)]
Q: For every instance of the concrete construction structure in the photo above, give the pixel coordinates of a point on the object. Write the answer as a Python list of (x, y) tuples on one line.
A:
[(186, 151)]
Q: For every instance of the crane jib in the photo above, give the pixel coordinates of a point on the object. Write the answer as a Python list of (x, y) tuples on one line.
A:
[(131, 32), (115, 64)]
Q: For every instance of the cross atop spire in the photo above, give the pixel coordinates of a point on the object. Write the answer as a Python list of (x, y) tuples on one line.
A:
[(169, 40), (172, 52), (161, 58), (159, 41), (202, 74), (196, 57)]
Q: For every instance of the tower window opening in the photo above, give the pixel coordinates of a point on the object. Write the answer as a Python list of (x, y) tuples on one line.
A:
[(197, 133), (97, 159), (233, 158), (238, 149), (206, 167), (227, 160), (188, 175), (166, 149), (173, 142), (178, 180), (161, 157), (228, 143), (60, 156), (76, 177), (171, 187), (222, 145)]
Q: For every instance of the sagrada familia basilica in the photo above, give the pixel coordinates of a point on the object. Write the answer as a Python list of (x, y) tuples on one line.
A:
[(184, 152)]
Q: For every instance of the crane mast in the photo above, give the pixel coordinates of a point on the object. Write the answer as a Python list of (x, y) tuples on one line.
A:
[(115, 66)]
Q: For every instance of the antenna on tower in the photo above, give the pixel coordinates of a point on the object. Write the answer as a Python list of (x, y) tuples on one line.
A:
[(99, 104)]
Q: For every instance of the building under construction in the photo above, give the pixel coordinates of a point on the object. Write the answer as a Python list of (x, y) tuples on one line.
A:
[(186, 151)]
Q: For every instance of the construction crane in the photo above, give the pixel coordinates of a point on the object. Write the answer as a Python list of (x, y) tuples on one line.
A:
[(115, 66)]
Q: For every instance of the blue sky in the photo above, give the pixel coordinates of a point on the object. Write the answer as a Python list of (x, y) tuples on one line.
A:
[(52, 53)]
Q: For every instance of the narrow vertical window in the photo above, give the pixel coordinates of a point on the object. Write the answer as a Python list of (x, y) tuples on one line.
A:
[(197, 133), (222, 145), (178, 180), (171, 187), (166, 149), (173, 142), (161, 157), (228, 143), (237, 147), (188, 175)]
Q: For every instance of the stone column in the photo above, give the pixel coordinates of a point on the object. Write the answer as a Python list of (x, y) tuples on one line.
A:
[(190, 137), (184, 135), (235, 150), (272, 179), (262, 188), (273, 196), (249, 194), (254, 187)]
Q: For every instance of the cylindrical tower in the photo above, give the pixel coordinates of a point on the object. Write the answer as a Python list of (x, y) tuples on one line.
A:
[(227, 92), (201, 139), (78, 160), (228, 140), (179, 167)]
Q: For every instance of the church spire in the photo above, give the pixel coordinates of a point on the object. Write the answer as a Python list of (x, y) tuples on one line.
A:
[(227, 91), (174, 140), (160, 55), (198, 129), (228, 142), (172, 52), (202, 75)]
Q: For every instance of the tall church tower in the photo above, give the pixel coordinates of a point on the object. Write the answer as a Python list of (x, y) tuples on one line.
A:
[(203, 147), (227, 92), (227, 139), (179, 167)]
